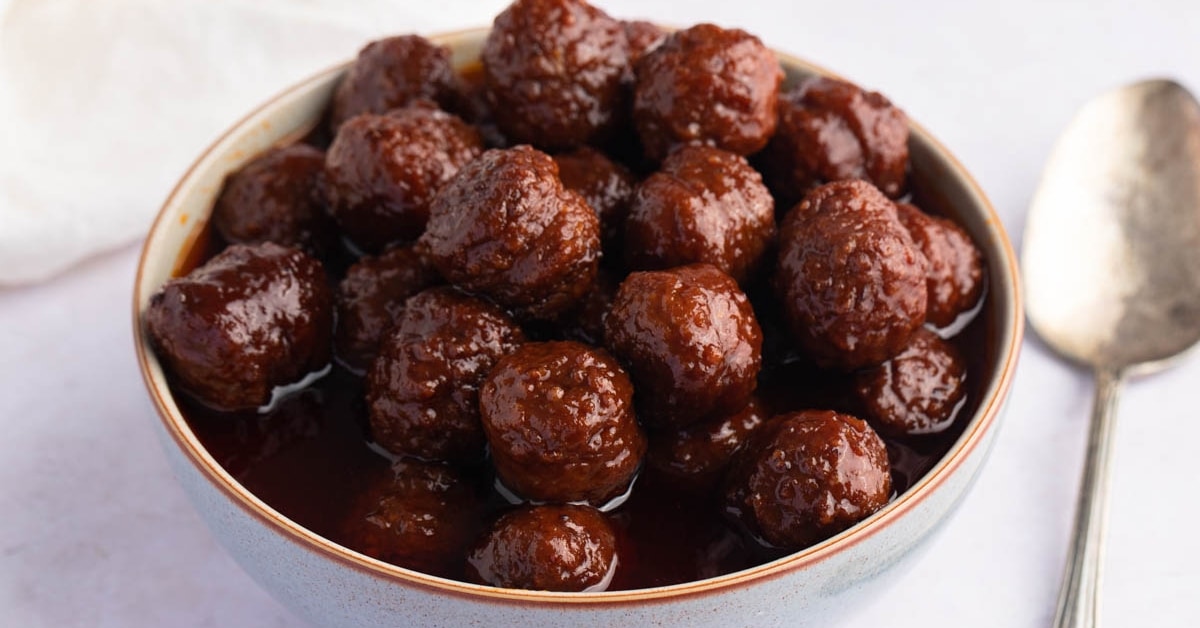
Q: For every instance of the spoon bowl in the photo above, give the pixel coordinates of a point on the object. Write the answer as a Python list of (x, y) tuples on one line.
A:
[(1112, 246), (1112, 274)]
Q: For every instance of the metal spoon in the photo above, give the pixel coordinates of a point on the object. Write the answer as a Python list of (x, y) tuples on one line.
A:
[(1112, 274)]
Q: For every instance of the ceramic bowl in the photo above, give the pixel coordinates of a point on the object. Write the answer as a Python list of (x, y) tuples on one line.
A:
[(334, 586)]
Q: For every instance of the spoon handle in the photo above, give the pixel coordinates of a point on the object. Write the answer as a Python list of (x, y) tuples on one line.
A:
[(1078, 600)]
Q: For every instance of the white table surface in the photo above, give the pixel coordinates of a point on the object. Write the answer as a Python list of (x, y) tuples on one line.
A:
[(95, 532)]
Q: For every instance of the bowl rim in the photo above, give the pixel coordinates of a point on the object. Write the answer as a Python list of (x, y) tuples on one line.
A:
[(1010, 331)]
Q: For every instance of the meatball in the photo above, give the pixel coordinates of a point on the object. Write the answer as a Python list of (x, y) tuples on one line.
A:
[(423, 388), (393, 72), (546, 548), (696, 456), (605, 185), (831, 130), (917, 392), (418, 515), (690, 341), (505, 227), (807, 476), (705, 205), (851, 280), (560, 424), (277, 197), (709, 85), (370, 299), (253, 317), (553, 69), (382, 171), (955, 280)]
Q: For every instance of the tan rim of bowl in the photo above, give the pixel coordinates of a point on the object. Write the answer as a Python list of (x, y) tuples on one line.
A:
[(1010, 328)]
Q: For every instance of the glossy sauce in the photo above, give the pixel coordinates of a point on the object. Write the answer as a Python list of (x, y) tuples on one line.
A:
[(310, 455)]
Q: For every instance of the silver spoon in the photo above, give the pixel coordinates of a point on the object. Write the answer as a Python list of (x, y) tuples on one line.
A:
[(1112, 274)]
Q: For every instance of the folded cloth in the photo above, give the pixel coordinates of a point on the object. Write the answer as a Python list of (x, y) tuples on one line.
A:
[(103, 105)]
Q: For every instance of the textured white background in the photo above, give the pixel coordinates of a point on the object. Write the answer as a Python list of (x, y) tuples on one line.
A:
[(104, 103)]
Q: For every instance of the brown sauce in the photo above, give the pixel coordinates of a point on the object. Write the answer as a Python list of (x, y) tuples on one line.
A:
[(310, 455)]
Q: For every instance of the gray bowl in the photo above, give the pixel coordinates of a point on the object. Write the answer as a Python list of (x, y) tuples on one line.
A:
[(334, 586)]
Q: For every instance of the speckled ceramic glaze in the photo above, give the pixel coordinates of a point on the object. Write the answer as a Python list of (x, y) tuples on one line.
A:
[(333, 586)]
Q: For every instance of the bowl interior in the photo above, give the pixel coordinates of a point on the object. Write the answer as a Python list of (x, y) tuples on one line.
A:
[(182, 223)]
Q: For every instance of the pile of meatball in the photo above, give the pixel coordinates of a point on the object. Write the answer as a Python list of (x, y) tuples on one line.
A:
[(557, 274)]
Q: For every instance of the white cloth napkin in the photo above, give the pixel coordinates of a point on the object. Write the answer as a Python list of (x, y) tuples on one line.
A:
[(103, 105)]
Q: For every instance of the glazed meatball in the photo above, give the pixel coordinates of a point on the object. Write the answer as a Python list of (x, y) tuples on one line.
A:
[(418, 515), (277, 198), (831, 130), (696, 456), (605, 185), (423, 388), (382, 171), (252, 318), (917, 392), (505, 227), (370, 299), (955, 279), (705, 205), (560, 424), (690, 341), (394, 72), (546, 548), (709, 85), (807, 476), (851, 280), (553, 70)]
